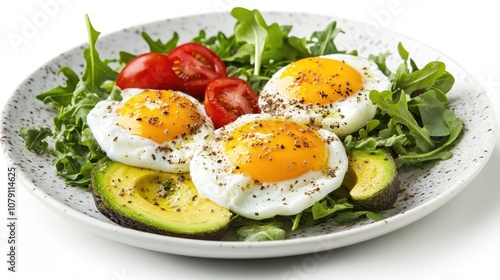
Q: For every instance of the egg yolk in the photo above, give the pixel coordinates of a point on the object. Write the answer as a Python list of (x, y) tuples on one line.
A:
[(160, 115), (320, 80), (275, 150)]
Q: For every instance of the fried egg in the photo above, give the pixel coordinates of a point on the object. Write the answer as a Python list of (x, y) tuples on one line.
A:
[(260, 166), (155, 129), (331, 92)]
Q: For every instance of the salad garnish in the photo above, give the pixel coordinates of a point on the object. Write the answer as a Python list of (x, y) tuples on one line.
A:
[(413, 118)]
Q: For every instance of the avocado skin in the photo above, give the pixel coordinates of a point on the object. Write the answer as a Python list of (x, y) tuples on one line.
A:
[(387, 187), (128, 221), (384, 199)]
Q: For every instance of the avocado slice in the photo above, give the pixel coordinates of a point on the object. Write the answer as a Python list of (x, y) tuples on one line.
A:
[(372, 178), (156, 202)]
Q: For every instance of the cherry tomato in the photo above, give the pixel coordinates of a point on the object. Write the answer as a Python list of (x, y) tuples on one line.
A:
[(196, 65), (228, 98), (148, 70)]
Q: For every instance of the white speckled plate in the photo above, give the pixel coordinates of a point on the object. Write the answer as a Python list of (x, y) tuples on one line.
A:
[(422, 190)]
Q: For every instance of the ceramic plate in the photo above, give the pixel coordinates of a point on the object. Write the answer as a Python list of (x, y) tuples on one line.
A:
[(422, 190)]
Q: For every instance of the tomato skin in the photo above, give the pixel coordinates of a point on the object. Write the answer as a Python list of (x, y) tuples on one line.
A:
[(148, 71), (227, 98), (195, 66)]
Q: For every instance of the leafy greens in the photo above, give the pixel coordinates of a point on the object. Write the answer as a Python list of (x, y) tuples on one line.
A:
[(413, 118), (75, 148)]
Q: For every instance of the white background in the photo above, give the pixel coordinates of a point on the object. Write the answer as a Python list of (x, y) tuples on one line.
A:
[(458, 241)]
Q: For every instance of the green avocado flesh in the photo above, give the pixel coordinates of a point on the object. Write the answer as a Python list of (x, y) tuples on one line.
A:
[(154, 201), (372, 178)]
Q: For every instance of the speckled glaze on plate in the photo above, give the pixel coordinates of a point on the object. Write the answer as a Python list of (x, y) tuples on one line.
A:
[(422, 190)]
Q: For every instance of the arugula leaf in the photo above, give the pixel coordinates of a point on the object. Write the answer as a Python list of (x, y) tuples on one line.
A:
[(403, 53), (421, 79), (263, 44), (415, 121), (96, 72), (380, 60), (393, 141), (444, 83), (221, 44), (76, 151), (349, 216), (401, 115), (324, 40), (83, 101), (341, 210), (61, 96), (257, 50), (274, 45), (413, 80), (261, 232), (75, 148), (126, 57), (325, 208), (251, 29), (295, 48), (455, 126), (431, 106), (157, 46), (34, 138)]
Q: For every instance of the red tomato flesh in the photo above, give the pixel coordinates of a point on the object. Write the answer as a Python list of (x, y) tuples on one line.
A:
[(148, 71), (228, 98), (195, 66)]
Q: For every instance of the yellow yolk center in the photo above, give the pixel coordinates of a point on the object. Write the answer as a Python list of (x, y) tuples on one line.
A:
[(320, 80), (160, 115), (275, 150)]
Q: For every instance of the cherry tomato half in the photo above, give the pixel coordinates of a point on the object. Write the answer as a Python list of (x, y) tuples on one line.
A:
[(148, 70), (196, 65), (228, 98)]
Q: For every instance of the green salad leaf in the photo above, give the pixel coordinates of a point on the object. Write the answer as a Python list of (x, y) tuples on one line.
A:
[(348, 216), (34, 138), (381, 61), (75, 149), (97, 73), (340, 209), (220, 43), (324, 40), (414, 119), (454, 125), (267, 231), (328, 207), (253, 31), (156, 46), (61, 96), (401, 115), (421, 79), (257, 50)]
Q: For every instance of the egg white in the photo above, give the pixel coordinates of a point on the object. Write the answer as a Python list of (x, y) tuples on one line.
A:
[(342, 117), (120, 145), (212, 174)]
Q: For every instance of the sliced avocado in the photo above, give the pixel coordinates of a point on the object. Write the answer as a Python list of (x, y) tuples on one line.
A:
[(372, 178), (157, 202)]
